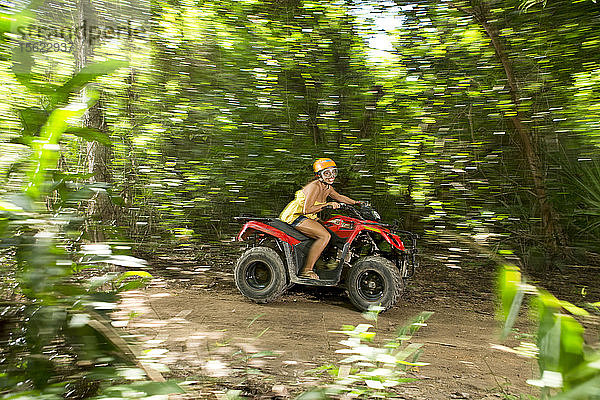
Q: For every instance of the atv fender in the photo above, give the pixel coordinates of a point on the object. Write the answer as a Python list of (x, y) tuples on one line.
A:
[(393, 239), (269, 230)]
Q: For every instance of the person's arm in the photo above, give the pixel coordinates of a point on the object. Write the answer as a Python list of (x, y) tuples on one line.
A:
[(310, 196), (341, 198)]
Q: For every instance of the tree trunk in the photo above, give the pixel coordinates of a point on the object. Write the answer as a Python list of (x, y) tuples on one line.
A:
[(97, 156), (550, 218)]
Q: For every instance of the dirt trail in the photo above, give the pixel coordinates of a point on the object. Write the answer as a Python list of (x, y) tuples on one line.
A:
[(195, 312)]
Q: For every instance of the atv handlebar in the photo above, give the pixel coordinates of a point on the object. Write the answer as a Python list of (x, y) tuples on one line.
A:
[(342, 205), (367, 207)]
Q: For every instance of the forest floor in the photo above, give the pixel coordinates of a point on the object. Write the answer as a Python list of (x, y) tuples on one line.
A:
[(215, 340)]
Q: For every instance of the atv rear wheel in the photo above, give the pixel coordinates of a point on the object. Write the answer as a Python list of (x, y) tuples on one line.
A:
[(374, 281), (260, 275)]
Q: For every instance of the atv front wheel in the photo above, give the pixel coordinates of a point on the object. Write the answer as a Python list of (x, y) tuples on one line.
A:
[(260, 275), (374, 281)]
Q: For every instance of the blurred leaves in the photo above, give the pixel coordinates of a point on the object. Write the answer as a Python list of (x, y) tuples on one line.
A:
[(120, 282), (511, 292), (46, 149), (371, 371), (563, 359), (59, 335), (587, 178)]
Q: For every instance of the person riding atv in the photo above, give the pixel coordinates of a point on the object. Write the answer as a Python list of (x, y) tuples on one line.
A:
[(369, 258), (301, 213)]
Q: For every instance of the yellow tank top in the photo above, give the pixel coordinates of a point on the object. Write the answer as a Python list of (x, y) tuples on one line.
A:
[(296, 208)]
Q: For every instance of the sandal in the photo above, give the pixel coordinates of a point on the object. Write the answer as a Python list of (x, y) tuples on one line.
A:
[(308, 275)]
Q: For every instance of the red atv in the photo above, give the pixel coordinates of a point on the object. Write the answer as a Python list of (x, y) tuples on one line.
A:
[(366, 257)]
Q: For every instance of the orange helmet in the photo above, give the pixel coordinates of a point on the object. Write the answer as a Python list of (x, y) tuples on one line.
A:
[(323, 163)]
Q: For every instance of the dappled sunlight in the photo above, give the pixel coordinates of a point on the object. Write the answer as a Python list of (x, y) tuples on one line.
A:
[(175, 345)]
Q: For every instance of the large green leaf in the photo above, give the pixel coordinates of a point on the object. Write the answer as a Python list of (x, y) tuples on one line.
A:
[(572, 348), (46, 149), (22, 68), (589, 389), (85, 76), (560, 338), (549, 332), (32, 120), (90, 135), (22, 65), (511, 294)]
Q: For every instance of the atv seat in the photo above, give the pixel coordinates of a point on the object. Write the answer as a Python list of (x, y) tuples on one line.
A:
[(288, 229), (296, 234)]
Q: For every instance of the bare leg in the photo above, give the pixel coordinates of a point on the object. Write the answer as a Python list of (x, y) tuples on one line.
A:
[(315, 230)]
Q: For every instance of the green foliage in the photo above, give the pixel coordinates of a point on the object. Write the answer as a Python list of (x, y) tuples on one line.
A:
[(371, 371), (565, 362), (225, 105), (56, 338), (584, 177)]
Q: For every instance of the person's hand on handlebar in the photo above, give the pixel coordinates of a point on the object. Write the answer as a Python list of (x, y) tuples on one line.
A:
[(334, 204)]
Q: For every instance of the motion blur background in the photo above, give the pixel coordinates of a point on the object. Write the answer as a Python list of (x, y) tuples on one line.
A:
[(479, 118)]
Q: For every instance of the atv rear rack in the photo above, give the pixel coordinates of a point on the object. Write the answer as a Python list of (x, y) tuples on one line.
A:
[(253, 218)]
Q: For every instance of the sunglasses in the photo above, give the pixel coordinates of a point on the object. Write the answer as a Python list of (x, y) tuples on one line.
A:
[(330, 172)]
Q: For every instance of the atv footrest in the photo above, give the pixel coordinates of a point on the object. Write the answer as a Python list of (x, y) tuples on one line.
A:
[(327, 274), (315, 282)]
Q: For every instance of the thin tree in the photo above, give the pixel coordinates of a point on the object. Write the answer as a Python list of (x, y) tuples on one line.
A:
[(479, 11), (97, 155)]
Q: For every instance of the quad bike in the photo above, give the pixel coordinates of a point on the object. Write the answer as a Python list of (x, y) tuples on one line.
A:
[(365, 256)]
